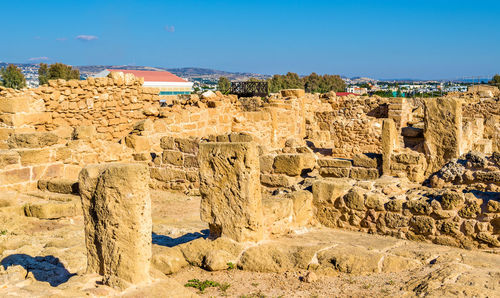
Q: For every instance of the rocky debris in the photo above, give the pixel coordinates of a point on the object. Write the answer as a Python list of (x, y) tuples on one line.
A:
[(117, 212)]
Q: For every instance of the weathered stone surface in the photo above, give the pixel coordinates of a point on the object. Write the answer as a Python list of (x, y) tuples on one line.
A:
[(8, 157), (167, 259), (364, 173), (216, 260), (293, 164), (350, 260), (292, 92), (61, 185), (138, 143), (335, 172), (117, 215), (302, 207), (375, 201), (443, 131), (451, 200), (364, 161), (52, 210), (32, 140), (276, 258), (277, 180), (278, 214), (355, 199), (330, 190), (334, 162), (230, 189), (172, 157), (84, 133), (389, 143)]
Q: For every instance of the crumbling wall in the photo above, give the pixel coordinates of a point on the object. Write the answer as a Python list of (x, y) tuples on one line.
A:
[(354, 125), (447, 217)]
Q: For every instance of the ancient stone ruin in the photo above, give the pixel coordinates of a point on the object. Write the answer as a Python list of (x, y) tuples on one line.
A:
[(293, 182)]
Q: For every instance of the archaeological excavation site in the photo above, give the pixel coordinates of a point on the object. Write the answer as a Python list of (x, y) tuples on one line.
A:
[(106, 190)]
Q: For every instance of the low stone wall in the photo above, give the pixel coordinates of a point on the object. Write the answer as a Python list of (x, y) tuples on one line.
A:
[(177, 167), (447, 217)]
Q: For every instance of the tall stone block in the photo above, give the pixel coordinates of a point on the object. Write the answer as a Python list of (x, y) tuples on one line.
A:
[(389, 143), (230, 190), (442, 131), (117, 216)]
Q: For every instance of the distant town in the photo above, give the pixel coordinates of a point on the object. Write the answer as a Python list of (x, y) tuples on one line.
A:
[(207, 79)]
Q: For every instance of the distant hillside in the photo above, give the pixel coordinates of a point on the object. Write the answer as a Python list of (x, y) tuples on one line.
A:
[(185, 72)]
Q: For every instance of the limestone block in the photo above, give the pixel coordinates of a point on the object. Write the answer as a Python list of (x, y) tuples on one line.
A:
[(334, 162), (389, 142), (62, 185), (276, 180), (117, 217), (443, 131), (335, 172), (15, 176), (84, 133), (365, 161), (138, 143), (8, 157), (293, 164), (364, 173), (34, 156), (52, 210), (187, 145), (32, 140), (167, 143), (293, 92), (172, 157), (168, 260), (14, 104), (327, 191), (230, 189), (278, 214), (302, 207)]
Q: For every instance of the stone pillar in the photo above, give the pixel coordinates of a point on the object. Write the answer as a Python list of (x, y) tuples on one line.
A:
[(117, 217), (442, 131), (230, 190), (389, 143)]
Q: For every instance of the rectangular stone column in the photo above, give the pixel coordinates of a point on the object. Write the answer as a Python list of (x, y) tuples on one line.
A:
[(230, 190), (389, 143), (442, 131), (117, 216)]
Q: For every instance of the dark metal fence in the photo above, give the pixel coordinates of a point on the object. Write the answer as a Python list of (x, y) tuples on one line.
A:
[(249, 89)]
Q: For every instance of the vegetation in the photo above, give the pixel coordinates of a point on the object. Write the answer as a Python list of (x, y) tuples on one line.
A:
[(311, 83), (224, 85), (230, 266), (495, 81), (12, 77), (202, 285), (56, 71)]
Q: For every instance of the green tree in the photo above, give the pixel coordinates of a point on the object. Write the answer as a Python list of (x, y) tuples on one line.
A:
[(224, 85), (43, 74), (311, 83), (12, 77), (56, 71), (495, 81)]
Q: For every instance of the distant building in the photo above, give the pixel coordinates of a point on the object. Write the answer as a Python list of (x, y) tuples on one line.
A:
[(357, 90), (168, 83)]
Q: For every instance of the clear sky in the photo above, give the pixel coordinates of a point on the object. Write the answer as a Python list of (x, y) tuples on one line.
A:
[(382, 39)]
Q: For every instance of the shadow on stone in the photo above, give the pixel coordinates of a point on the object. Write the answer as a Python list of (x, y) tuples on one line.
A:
[(48, 268), (171, 242)]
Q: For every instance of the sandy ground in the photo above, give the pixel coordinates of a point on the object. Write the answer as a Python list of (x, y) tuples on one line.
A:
[(53, 255)]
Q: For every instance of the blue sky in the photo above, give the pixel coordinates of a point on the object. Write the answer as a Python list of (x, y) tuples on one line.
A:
[(382, 39)]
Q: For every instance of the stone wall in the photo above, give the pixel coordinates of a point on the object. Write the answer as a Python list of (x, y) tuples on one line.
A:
[(353, 125), (456, 218), (112, 105)]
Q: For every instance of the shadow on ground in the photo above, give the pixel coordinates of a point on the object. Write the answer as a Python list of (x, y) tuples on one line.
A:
[(170, 242), (48, 268)]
